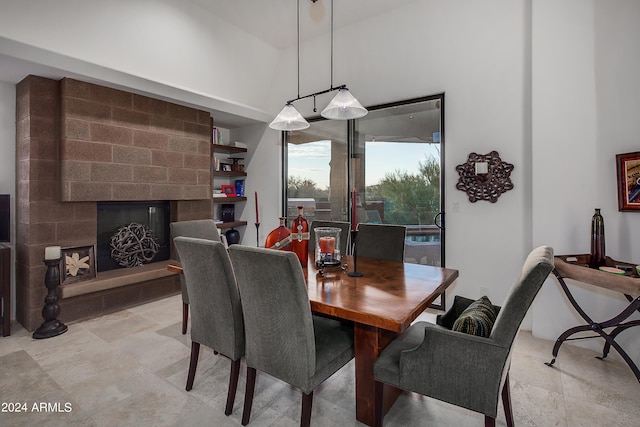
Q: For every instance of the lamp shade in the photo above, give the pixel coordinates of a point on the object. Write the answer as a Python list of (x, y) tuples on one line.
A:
[(344, 106), (289, 119)]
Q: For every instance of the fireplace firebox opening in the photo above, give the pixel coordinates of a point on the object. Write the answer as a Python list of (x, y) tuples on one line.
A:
[(143, 223)]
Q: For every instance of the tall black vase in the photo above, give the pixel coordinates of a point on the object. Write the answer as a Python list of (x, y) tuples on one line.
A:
[(598, 257)]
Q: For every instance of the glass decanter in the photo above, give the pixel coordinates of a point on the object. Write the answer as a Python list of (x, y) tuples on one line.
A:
[(279, 238)]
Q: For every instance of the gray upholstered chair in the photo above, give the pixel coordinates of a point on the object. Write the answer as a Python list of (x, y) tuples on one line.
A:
[(344, 234), (201, 229), (216, 312), (381, 241), (284, 339), (459, 368)]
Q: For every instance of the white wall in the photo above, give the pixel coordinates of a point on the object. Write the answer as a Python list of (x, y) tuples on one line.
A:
[(263, 165), (585, 111), (175, 43)]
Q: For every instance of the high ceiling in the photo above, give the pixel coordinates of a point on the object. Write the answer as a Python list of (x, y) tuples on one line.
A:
[(274, 21)]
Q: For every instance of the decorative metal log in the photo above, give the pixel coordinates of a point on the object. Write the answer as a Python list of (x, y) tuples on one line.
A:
[(133, 245)]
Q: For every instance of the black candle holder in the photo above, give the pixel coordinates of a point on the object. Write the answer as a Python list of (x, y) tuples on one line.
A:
[(51, 326), (257, 234), (354, 250)]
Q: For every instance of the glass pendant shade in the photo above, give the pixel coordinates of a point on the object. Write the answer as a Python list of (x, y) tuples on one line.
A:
[(344, 106), (289, 119)]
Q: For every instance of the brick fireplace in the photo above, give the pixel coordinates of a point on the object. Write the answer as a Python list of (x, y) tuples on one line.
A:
[(78, 144)]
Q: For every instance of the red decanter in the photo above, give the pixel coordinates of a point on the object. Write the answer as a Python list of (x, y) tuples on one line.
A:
[(279, 238)]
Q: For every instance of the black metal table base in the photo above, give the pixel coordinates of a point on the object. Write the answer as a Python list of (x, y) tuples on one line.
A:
[(617, 323)]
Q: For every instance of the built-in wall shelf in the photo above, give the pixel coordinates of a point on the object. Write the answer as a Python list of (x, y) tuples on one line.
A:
[(229, 199), (228, 149), (227, 177), (229, 174), (231, 224)]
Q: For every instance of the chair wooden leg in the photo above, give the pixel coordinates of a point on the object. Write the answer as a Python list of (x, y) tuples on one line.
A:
[(193, 364), (248, 395), (307, 404), (185, 317), (233, 386), (506, 402), (489, 421), (379, 404)]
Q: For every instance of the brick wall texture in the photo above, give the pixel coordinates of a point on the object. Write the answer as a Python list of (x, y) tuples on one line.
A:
[(116, 145)]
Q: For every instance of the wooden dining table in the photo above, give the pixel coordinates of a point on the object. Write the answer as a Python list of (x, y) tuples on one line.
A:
[(381, 303)]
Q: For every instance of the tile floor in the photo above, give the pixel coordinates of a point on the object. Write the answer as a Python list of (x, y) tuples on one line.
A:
[(129, 369)]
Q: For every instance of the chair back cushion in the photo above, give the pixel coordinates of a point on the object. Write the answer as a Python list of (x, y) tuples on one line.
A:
[(201, 229), (216, 312), (381, 241), (535, 270), (277, 314)]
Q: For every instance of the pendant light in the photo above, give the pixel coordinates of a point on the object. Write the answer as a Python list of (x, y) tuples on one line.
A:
[(343, 106), (289, 118)]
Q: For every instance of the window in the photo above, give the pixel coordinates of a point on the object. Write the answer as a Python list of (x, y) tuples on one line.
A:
[(316, 173), (392, 157)]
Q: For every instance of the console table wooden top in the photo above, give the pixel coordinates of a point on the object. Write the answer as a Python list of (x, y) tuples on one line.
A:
[(628, 284)]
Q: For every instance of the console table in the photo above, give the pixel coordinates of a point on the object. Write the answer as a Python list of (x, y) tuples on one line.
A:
[(5, 288), (576, 267)]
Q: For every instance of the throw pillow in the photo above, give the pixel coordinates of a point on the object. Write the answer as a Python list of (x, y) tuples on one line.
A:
[(477, 319)]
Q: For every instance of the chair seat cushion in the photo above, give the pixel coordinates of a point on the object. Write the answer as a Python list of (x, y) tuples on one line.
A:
[(334, 349), (477, 319)]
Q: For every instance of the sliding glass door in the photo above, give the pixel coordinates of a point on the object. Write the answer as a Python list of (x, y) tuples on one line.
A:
[(396, 171), (392, 158)]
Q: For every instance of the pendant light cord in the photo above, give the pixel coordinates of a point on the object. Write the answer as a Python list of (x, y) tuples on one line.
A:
[(298, 30), (331, 88), (290, 119), (331, 85)]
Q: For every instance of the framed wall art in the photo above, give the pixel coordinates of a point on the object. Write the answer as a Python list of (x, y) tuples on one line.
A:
[(78, 264), (628, 172)]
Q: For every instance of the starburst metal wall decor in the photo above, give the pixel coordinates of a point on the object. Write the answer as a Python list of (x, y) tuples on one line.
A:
[(484, 177)]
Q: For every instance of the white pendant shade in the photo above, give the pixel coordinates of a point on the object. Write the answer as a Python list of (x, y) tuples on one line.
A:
[(344, 106), (289, 119)]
